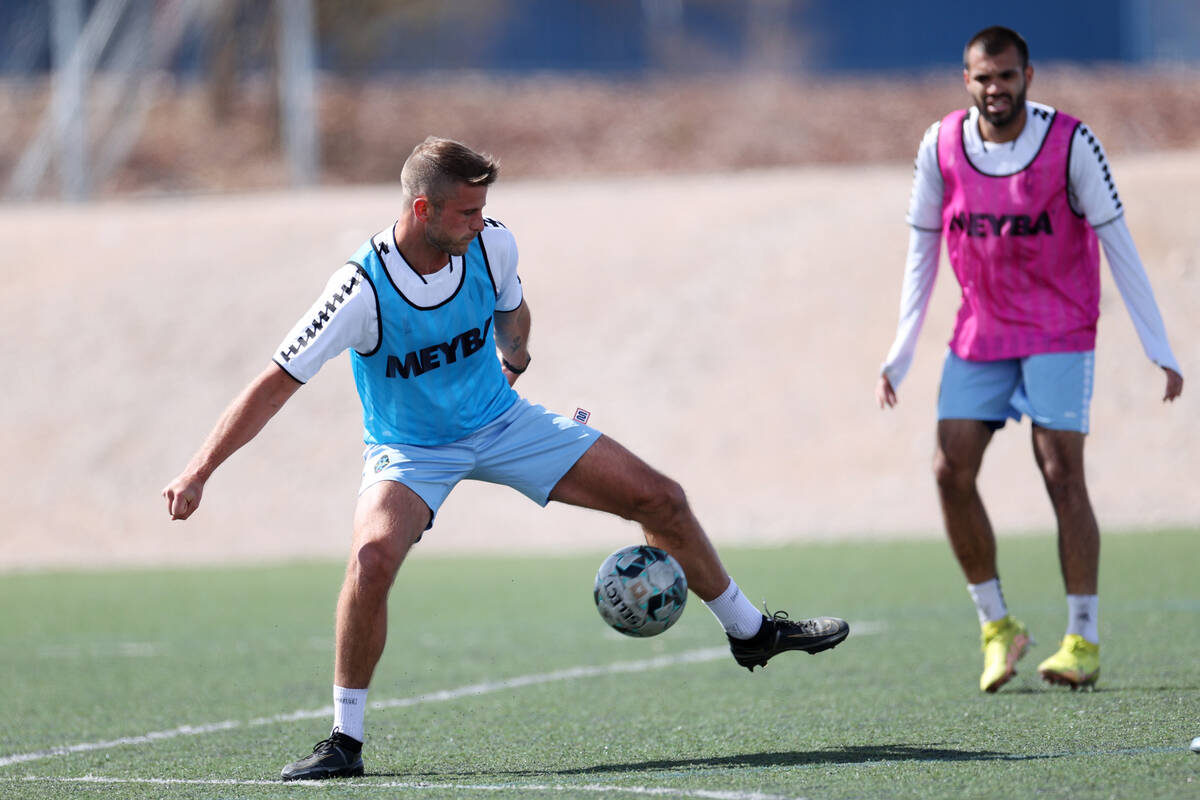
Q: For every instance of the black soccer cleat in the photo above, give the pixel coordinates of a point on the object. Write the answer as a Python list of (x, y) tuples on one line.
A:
[(339, 756), (779, 633)]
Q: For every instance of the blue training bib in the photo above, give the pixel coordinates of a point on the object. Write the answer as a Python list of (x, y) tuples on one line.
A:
[(434, 376)]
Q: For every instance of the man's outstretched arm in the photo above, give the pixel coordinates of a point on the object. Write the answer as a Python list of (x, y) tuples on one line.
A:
[(239, 423)]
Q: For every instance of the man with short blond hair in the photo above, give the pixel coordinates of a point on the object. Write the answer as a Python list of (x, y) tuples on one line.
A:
[(436, 164), (423, 306)]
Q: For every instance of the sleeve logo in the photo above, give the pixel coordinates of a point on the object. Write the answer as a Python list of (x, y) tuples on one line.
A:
[(336, 301)]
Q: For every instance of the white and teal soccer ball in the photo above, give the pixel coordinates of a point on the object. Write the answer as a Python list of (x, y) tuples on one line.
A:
[(640, 590)]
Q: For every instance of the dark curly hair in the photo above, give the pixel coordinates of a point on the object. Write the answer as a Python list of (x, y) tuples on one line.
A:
[(995, 40)]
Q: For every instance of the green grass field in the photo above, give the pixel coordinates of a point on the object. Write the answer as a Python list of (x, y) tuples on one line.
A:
[(500, 681)]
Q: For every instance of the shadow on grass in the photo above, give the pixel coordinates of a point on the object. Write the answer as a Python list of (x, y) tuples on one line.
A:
[(1063, 690), (837, 755), (815, 758)]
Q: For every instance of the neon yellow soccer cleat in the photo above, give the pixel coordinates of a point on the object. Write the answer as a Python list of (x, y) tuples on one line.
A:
[(1076, 664), (1003, 643)]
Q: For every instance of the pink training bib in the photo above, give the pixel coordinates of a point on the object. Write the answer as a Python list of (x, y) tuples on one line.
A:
[(1028, 265)]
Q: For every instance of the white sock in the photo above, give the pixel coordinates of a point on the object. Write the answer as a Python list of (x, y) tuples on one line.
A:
[(1083, 616), (349, 708), (989, 600), (736, 614)]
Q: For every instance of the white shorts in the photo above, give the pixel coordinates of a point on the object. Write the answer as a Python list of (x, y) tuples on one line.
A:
[(526, 447)]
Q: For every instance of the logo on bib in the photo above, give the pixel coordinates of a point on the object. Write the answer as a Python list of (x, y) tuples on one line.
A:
[(982, 225), (418, 362)]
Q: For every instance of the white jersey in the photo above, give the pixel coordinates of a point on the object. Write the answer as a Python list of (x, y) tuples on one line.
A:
[(1092, 192), (346, 314)]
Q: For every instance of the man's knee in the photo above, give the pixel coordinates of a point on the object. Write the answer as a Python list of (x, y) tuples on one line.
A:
[(952, 476), (1060, 459), (959, 453), (661, 503), (374, 565), (1063, 479)]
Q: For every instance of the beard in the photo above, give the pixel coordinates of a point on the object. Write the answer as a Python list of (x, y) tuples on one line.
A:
[(1004, 119), (454, 247)]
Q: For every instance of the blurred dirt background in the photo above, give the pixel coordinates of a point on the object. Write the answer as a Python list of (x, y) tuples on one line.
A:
[(552, 126), (714, 272)]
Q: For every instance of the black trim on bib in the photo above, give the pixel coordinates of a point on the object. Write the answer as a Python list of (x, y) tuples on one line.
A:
[(962, 143), (378, 312)]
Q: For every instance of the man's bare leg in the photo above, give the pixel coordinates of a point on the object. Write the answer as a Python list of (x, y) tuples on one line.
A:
[(960, 447), (610, 478), (388, 519), (1060, 458)]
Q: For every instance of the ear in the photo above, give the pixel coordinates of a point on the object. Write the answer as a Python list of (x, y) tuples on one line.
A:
[(1028, 75), (422, 209)]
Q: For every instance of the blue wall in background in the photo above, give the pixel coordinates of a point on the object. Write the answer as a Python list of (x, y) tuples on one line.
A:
[(616, 37), (890, 35)]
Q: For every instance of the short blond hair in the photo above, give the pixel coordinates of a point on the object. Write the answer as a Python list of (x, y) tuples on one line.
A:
[(436, 163)]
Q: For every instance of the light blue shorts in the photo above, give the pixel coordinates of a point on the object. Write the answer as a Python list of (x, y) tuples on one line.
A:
[(526, 447), (1053, 389)]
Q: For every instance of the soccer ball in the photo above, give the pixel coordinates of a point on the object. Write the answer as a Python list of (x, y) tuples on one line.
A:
[(640, 590)]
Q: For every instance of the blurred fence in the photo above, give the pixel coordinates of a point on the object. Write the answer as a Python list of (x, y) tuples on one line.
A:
[(82, 77)]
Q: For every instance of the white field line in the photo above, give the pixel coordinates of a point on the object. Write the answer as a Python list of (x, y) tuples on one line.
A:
[(597, 788), (359, 787), (100, 650), (472, 690)]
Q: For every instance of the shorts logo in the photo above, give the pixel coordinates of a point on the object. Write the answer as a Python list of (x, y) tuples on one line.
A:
[(382, 464), (582, 416)]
